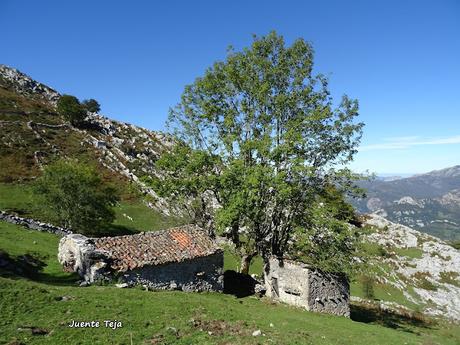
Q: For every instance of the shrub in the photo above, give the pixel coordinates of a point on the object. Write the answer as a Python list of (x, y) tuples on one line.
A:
[(75, 196), (91, 105), (69, 107)]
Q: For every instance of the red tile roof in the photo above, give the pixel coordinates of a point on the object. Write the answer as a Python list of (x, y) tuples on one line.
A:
[(156, 247)]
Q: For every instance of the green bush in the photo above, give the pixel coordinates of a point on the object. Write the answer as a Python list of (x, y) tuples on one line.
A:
[(70, 108), (75, 196), (91, 105)]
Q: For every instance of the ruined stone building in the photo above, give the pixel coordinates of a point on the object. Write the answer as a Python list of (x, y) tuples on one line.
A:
[(182, 258), (298, 284)]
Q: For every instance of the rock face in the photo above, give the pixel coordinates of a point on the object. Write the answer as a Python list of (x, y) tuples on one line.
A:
[(297, 284), (182, 258), (26, 86), (425, 269), (77, 253)]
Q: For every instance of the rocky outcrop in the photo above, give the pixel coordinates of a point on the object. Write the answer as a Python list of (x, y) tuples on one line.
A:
[(26, 86), (78, 253), (425, 269), (34, 224)]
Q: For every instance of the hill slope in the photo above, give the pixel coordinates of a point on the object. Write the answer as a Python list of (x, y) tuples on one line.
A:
[(32, 134), (417, 270), (36, 309)]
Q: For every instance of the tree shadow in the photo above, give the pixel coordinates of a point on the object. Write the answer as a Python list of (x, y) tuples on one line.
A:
[(30, 266), (401, 320), (238, 284)]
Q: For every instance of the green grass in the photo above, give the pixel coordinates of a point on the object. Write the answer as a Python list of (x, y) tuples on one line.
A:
[(175, 317), (383, 292), (169, 317), (413, 252), (233, 262), (143, 218), (18, 198)]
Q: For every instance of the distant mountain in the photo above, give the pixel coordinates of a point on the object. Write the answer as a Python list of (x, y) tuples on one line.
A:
[(427, 202), (391, 177)]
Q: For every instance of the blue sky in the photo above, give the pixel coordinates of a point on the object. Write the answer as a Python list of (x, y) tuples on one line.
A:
[(400, 59)]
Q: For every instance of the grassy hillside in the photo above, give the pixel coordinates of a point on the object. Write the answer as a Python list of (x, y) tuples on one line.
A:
[(132, 215), (46, 302)]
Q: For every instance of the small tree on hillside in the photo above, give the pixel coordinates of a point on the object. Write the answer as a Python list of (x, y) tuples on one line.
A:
[(75, 196), (260, 137), (70, 108), (91, 105)]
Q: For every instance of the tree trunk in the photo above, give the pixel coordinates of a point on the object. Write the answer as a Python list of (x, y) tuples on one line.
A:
[(246, 262)]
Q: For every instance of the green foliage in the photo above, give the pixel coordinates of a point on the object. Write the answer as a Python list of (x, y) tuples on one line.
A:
[(259, 135), (76, 197), (91, 105), (326, 242), (70, 107)]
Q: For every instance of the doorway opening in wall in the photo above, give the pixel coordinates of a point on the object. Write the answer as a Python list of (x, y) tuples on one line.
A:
[(275, 287)]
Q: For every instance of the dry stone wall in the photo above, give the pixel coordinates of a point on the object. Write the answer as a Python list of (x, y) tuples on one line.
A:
[(196, 275), (33, 224)]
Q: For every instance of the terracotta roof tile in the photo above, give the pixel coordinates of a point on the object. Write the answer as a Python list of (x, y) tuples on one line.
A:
[(157, 247)]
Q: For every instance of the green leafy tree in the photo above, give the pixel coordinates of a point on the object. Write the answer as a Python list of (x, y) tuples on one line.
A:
[(70, 108), (259, 138), (75, 196), (91, 105)]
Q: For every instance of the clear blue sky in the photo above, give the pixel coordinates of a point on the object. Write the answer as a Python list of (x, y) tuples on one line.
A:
[(400, 59)]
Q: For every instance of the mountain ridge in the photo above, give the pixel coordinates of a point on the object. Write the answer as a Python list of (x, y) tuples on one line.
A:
[(428, 202)]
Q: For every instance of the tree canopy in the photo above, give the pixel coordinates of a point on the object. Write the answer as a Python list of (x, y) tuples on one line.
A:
[(70, 108), (259, 141), (91, 105), (75, 196)]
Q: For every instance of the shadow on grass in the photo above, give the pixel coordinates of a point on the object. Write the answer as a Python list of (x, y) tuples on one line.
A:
[(30, 266), (405, 321), (238, 284)]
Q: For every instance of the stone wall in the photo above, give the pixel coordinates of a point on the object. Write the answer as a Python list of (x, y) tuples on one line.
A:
[(33, 224), (196, 275), (328, 293), (297, 284)]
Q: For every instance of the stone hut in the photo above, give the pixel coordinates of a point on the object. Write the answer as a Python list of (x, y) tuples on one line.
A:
[(300, 285), (181, 258)]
